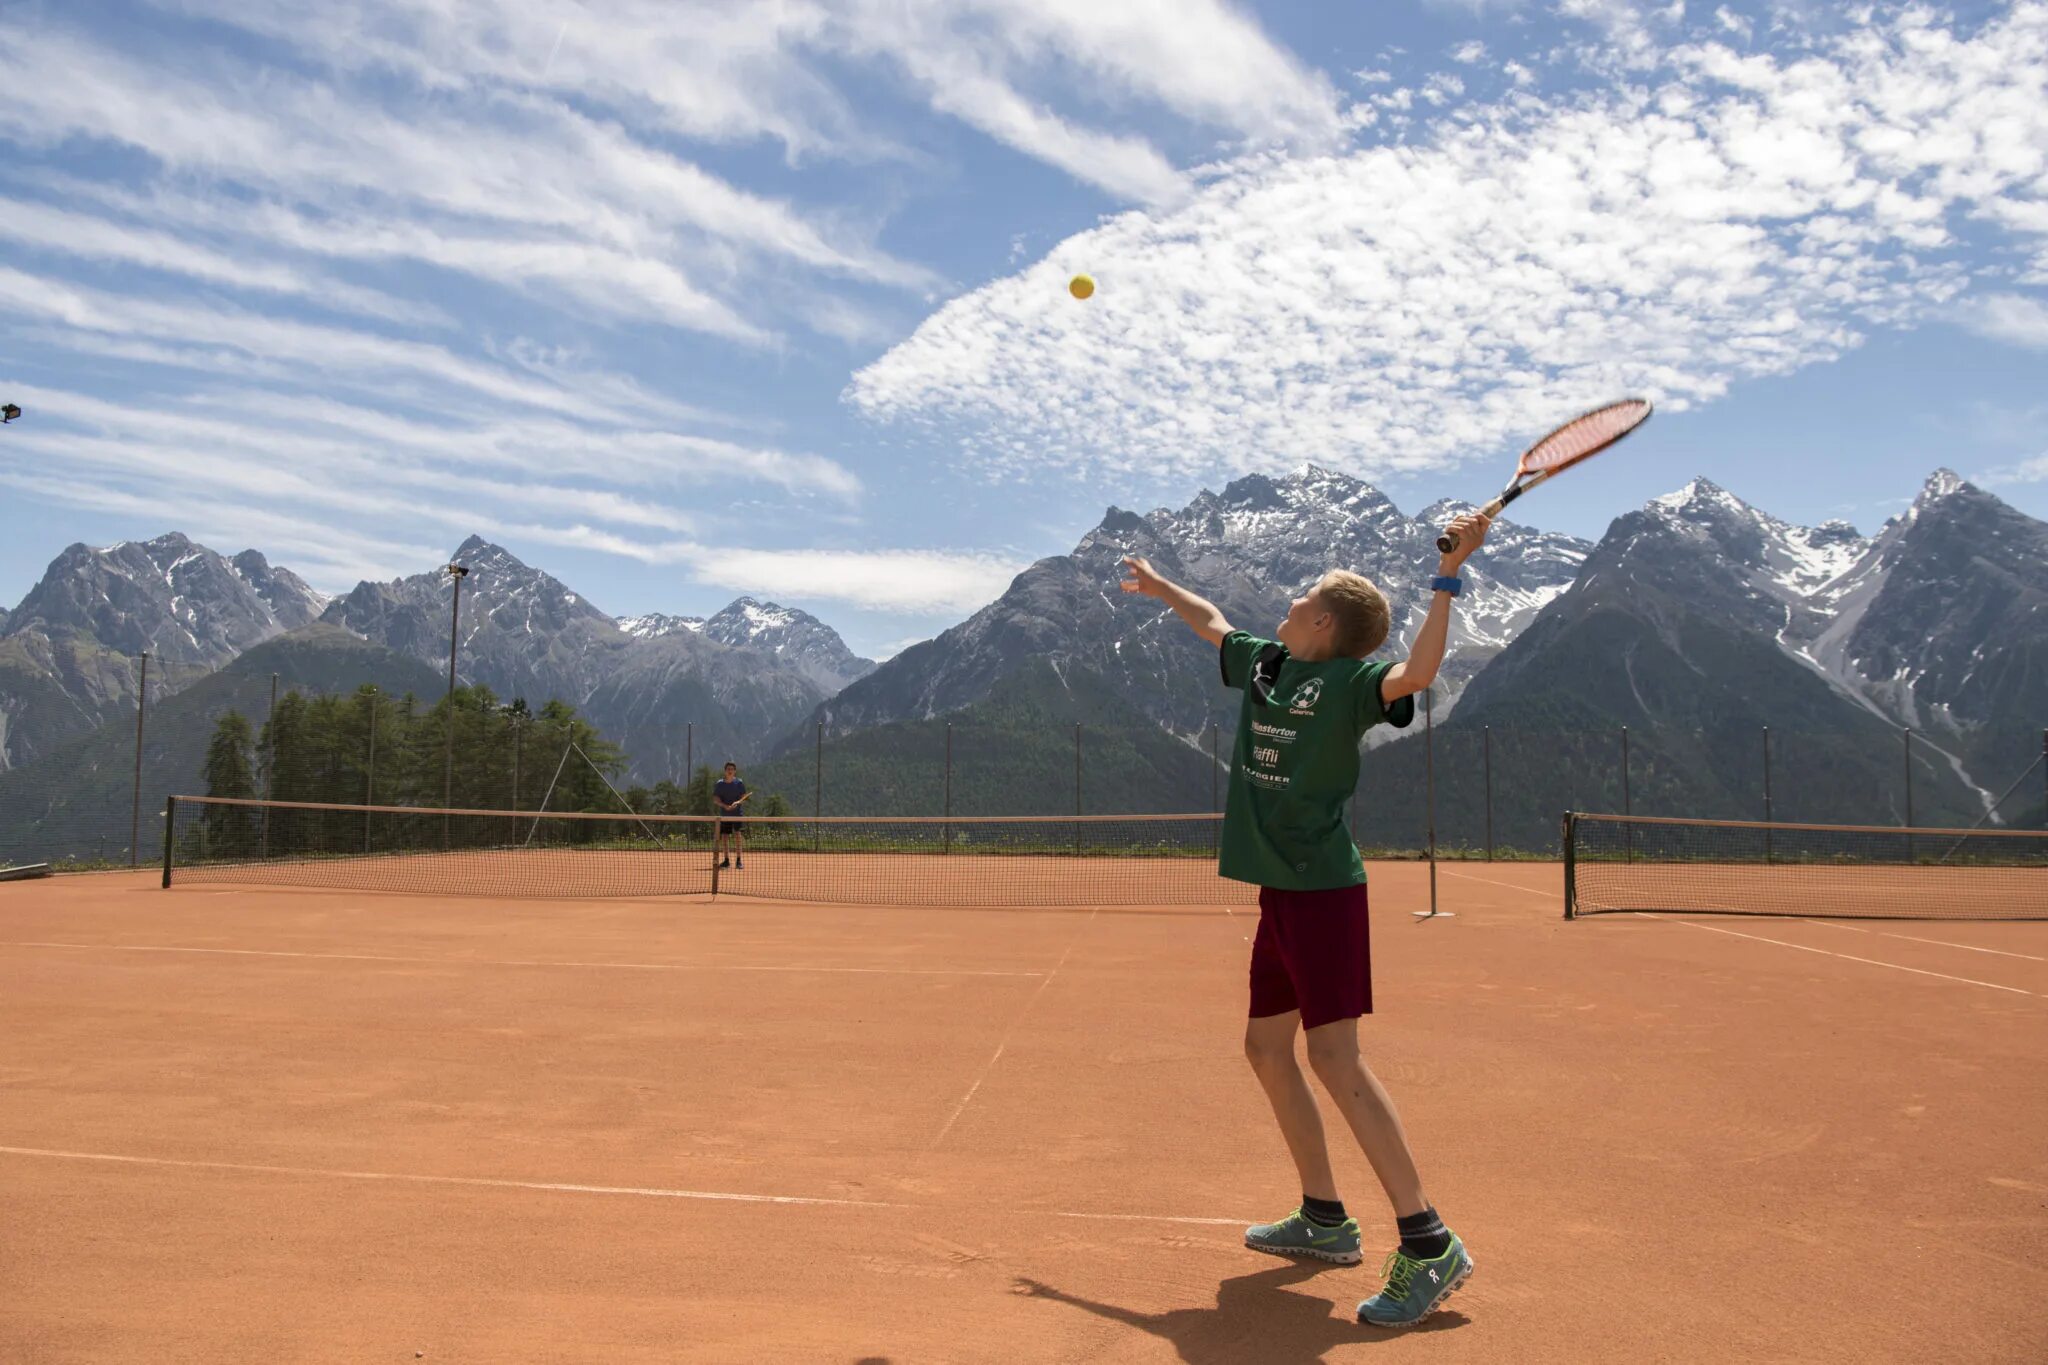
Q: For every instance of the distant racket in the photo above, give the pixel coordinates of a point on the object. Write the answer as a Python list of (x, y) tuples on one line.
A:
[(1579, 439)]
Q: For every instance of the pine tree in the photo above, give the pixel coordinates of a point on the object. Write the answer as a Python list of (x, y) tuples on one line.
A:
[(229, 831)]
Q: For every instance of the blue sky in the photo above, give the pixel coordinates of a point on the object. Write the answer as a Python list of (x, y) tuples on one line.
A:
[(685, 299)]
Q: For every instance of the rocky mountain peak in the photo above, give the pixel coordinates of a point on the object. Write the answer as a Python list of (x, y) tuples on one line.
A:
[(656, 624), (1941, 483)]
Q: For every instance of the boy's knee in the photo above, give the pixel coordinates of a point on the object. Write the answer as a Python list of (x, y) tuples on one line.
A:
[(1328, 1056), (1266, 1053)]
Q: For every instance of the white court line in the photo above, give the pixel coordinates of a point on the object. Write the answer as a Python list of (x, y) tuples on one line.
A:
[(1512, 886), (560, 1187), (1805, 948), (518, 962), (1008, 1034), (1915, 938)]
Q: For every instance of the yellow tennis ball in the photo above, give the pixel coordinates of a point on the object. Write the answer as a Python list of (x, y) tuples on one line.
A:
[(1081, 286)]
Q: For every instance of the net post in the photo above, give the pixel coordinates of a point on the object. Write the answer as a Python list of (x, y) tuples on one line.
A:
[(1486, 751), (170, 823), (1571, 881), (135, 812)]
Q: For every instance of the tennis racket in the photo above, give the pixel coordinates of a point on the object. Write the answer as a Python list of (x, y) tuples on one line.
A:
[(1576, 441)]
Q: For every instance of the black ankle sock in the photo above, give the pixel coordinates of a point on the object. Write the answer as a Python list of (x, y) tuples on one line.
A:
[(1324, 1213), (1423, 1235)]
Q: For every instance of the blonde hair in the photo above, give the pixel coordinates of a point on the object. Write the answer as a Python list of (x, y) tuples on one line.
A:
[(1360, 609)]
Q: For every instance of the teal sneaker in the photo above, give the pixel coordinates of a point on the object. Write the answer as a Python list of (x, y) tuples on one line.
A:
[(1415, 1289), (1296, 1235)]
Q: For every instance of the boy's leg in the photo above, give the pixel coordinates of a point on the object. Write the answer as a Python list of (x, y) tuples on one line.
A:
[(1269, 1047), (1333, 1055)]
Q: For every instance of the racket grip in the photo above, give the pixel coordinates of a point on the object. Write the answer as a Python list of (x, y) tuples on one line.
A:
[(1445, 544)]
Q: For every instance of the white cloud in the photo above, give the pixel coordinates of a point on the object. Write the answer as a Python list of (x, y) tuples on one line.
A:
[(1469, 53), (917, 581), (1403, 307), (2009, 317)]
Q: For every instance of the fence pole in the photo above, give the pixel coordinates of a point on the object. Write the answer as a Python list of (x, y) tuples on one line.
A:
[(2044, 779), (1627, 803), (818, 791), (949, 786), (1486, 751), (1767, 792), (1215, 766), (1077, 788), (1907, 736), (270, 778), (135, 812), (370, 773), (1077, 767)]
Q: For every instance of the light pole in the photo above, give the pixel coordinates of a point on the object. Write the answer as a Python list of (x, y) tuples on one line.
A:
[(457, 573)]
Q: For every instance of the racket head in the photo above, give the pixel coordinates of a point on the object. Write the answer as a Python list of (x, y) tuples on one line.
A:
[(1584, 436)]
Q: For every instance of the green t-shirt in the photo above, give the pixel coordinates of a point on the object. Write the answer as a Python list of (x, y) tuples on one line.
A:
[(1296, 763)]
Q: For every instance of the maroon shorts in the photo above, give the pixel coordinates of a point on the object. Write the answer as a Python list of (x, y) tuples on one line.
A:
[(1313, 953)]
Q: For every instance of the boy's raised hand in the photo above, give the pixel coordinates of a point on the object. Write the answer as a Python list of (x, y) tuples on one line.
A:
[(1468, 531), (1140, 577)]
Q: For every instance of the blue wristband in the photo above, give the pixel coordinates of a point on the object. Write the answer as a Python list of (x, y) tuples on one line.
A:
[(1449, 585)]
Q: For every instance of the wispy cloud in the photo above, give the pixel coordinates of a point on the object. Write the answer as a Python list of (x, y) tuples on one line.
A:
[(1402, 307)]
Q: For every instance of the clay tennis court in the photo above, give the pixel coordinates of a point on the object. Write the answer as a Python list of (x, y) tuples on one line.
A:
[(259, 1123)]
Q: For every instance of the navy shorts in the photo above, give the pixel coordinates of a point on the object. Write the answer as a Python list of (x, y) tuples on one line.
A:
[(1313, 953), (732, 824)]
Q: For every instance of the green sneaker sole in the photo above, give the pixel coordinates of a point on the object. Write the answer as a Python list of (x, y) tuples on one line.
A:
[(1308, 1253)]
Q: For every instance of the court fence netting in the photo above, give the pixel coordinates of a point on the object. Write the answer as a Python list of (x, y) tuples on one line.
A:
[(1618, 863), (1039, 861)]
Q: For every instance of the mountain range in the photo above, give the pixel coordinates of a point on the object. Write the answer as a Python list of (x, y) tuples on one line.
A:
[(1695, 621)]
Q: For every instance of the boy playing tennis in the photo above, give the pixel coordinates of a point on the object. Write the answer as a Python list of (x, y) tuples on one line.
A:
[(1308, 697), (731, 795)]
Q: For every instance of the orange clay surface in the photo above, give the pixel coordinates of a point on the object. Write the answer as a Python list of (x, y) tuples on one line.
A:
[(258, 1124)]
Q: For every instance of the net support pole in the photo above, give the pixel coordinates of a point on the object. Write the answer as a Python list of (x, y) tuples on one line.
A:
[(1429, 796), (1486, 753), (1570, 866), (170, 823), (135, 811)]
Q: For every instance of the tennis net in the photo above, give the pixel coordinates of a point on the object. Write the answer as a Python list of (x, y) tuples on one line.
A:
[(1735, 867), (1051, 861)]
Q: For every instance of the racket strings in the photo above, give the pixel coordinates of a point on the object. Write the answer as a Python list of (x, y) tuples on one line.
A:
[(1585, 435)]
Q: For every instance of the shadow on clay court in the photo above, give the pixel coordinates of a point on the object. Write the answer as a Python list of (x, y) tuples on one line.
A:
[(1254, 1313)]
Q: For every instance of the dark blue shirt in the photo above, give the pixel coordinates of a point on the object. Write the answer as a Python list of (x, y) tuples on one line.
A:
[(728, 795)]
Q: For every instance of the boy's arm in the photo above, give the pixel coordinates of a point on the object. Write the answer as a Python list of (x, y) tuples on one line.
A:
[(1426, 655), (1199, 612)]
